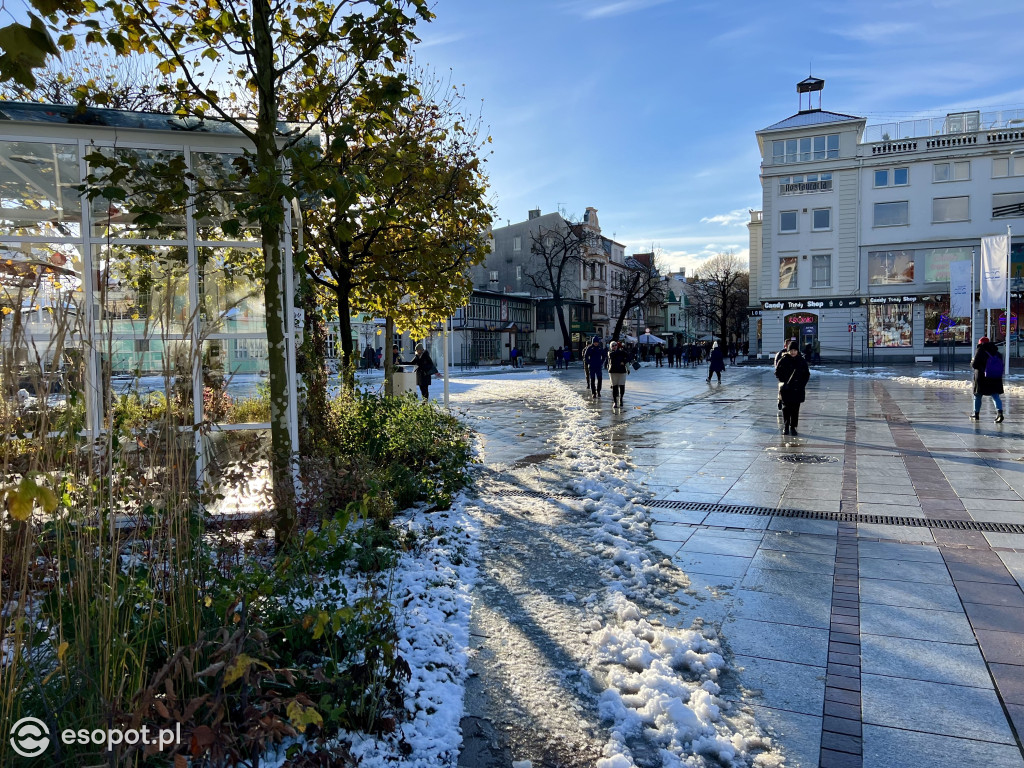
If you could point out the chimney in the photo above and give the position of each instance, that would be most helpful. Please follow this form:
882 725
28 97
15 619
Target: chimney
535 213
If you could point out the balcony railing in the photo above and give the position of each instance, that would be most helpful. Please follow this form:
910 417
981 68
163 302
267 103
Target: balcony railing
951 124
805 186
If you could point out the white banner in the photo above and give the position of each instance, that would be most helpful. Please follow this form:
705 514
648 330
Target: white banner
993 271
960 288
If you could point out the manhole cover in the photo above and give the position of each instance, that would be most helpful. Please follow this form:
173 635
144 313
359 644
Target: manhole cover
806 458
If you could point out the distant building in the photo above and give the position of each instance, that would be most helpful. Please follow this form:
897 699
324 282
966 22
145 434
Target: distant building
859 225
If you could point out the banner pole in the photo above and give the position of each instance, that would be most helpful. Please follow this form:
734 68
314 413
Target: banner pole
1006 355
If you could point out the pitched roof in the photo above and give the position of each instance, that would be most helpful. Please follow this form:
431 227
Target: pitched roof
811 117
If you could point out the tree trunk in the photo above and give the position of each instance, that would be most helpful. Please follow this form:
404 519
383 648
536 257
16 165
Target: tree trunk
566 338
269 190
312 368
342 291
389 365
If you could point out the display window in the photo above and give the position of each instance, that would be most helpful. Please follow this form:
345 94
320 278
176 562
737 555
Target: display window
890 325
891 267
941 328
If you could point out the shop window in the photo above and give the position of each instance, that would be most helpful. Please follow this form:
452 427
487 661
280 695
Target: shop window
940 328
937 261
890 325
890 267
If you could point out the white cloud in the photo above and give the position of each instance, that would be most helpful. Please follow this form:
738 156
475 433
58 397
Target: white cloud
737 218
606 10
877 32
432 42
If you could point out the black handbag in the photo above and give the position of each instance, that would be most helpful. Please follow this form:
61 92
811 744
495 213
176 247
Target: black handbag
636 365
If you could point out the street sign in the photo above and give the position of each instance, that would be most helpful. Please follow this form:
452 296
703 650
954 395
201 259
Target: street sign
852 327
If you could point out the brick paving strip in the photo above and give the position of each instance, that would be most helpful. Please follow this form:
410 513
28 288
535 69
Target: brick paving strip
841 745
991 597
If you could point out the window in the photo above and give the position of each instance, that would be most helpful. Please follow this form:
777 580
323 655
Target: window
517 243
821 270
787 272
892 214
1001 166
890 267
889 325
958 171
895 177
937 261
600 304
494 276
950 209
939 327
821 218
1008 205
519 272
805 149
787 221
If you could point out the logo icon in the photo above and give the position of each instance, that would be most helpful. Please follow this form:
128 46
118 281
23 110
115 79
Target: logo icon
30 737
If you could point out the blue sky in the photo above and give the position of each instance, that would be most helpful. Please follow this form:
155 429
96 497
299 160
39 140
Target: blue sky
646 109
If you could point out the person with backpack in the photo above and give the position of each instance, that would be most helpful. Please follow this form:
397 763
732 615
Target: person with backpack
988 376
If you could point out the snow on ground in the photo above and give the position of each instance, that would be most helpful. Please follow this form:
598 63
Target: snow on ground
657 683
924 378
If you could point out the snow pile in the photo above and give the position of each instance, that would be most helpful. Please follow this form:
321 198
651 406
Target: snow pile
926 378
431 595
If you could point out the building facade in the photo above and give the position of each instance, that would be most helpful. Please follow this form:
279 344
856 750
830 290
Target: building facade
859 225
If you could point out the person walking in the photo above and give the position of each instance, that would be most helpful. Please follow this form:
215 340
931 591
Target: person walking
550 358
594 359
369 357
732 354
512 355
988 376
559 357
793 375
659 355
778 356
716 362
568 356
425 368
618 370
817 351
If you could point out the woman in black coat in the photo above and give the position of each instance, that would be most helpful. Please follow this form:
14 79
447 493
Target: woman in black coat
717 362
991 385
424 370
793 375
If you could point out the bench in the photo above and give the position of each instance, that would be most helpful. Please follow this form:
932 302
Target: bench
924 359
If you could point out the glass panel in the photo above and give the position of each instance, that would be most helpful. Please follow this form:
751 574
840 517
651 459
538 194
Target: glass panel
235 381
900 177
819 147
939 327
1018 165
890 267
790 150
221 194
787 221
787 272
142 289
1008 206
38 195
231 290
937 261
778 151
821 276
891 214
238 471
940 172
950 209
822 218
1000 166
882 178
962 170
149 194
889 325
805 149
833 145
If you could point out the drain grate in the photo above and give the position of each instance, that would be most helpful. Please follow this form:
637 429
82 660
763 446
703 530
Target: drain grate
806 514
805 458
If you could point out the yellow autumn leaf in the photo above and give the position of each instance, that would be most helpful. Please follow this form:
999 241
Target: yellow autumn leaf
238 667
303 717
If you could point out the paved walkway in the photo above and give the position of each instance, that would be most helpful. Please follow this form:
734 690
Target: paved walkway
895 637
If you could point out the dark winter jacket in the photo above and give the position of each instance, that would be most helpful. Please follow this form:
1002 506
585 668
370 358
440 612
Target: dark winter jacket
594 357
618 361
793 374
424 368
717 360
985 385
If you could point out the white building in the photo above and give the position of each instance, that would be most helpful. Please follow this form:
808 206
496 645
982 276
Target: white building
860 224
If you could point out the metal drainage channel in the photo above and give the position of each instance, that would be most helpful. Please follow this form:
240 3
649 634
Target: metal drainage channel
844 517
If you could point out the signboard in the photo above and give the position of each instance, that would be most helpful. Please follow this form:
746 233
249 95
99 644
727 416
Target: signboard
993 275
960 273
851 327
812 303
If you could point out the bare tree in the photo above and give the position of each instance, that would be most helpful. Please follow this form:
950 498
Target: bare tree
641 286
719 293
558 253
93 78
